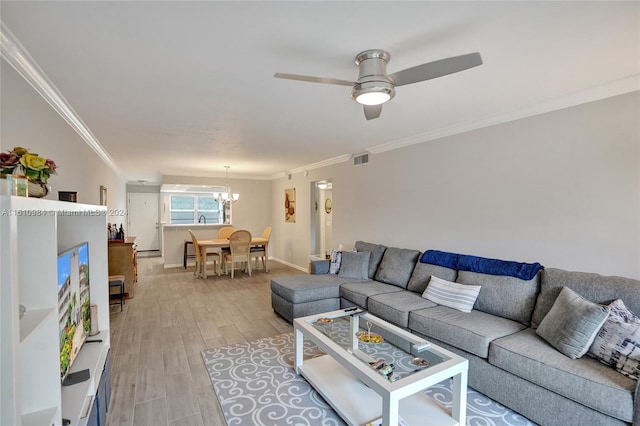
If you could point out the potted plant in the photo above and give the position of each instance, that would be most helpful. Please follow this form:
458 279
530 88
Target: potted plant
19 161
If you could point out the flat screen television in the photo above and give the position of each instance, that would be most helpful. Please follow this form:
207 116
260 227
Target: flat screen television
74 312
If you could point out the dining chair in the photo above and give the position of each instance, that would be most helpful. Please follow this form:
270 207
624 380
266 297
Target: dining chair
239 244
200 261
225 232
261 250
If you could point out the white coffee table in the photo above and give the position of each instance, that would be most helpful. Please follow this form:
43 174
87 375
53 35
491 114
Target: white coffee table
358 392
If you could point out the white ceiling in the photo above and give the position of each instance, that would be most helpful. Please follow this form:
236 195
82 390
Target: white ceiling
185 88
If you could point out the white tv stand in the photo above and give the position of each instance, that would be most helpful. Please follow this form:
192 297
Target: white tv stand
33 232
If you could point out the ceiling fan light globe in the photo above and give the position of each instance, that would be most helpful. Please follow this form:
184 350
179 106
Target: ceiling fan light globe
373 98
372 93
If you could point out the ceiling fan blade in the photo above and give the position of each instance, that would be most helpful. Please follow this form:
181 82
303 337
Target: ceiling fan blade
311 79
436 69
372 111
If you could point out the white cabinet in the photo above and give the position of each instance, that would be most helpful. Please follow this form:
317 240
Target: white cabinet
32 233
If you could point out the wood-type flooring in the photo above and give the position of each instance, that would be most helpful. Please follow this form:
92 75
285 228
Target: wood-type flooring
158 376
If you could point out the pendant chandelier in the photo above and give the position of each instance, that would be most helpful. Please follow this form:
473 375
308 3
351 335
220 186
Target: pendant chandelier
227 195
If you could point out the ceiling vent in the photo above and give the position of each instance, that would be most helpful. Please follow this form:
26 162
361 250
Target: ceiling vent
360 159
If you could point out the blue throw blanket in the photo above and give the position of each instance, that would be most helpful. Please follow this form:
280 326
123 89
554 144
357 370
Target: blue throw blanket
463 262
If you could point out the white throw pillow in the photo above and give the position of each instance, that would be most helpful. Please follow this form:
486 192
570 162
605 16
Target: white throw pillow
457 296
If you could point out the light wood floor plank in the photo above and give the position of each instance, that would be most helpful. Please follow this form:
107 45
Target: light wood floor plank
152 412
150 385
193 420
181 397
199 373
210 410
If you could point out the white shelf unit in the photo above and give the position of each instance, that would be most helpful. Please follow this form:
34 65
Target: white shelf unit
33 232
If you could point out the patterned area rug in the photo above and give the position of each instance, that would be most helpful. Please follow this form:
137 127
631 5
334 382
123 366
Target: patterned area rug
256 385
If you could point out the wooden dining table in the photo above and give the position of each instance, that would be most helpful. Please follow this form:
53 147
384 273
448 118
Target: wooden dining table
222 243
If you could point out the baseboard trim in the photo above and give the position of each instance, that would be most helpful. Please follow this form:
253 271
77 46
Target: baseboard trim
284 262
271 259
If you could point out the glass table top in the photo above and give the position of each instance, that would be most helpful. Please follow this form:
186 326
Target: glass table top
392 354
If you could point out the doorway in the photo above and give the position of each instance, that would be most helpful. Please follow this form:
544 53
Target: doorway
321 216
144 220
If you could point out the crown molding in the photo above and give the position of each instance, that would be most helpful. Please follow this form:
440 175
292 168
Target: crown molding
17 56
329 162
618 87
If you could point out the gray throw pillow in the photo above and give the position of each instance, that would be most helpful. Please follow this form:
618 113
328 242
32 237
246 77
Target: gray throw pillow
377 251
396 266
572 323
355 265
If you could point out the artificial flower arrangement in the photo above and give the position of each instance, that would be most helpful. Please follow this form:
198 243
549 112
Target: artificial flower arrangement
20 161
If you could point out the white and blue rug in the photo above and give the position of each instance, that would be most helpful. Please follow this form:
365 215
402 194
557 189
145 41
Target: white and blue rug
256 385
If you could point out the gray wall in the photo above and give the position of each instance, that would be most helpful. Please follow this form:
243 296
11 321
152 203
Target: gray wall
561 188
27 120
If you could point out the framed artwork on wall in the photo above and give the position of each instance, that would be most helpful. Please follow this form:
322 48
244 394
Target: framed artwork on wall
290 205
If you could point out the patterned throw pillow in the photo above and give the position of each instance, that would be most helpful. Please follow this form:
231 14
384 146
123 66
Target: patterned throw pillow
618 342
456 296
336 259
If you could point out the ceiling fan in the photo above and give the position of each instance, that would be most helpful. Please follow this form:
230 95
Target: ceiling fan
375 87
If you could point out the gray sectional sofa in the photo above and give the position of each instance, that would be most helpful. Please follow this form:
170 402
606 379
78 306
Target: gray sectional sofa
508 360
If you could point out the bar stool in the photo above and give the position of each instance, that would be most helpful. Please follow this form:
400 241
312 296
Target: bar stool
116 282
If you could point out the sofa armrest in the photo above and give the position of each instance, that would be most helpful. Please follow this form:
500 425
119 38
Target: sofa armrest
318 267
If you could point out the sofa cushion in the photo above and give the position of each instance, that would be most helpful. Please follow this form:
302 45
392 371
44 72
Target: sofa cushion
395 307
472 331
617 344
355 265
456 296
507 297
396 266
290 311
377 251
572 323
359 292
583 380
422 274
307 288
594 287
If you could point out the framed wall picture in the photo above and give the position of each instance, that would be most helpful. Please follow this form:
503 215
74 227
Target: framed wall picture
103 195
290 205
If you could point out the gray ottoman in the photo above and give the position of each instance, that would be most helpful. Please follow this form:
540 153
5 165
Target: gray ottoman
294 296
